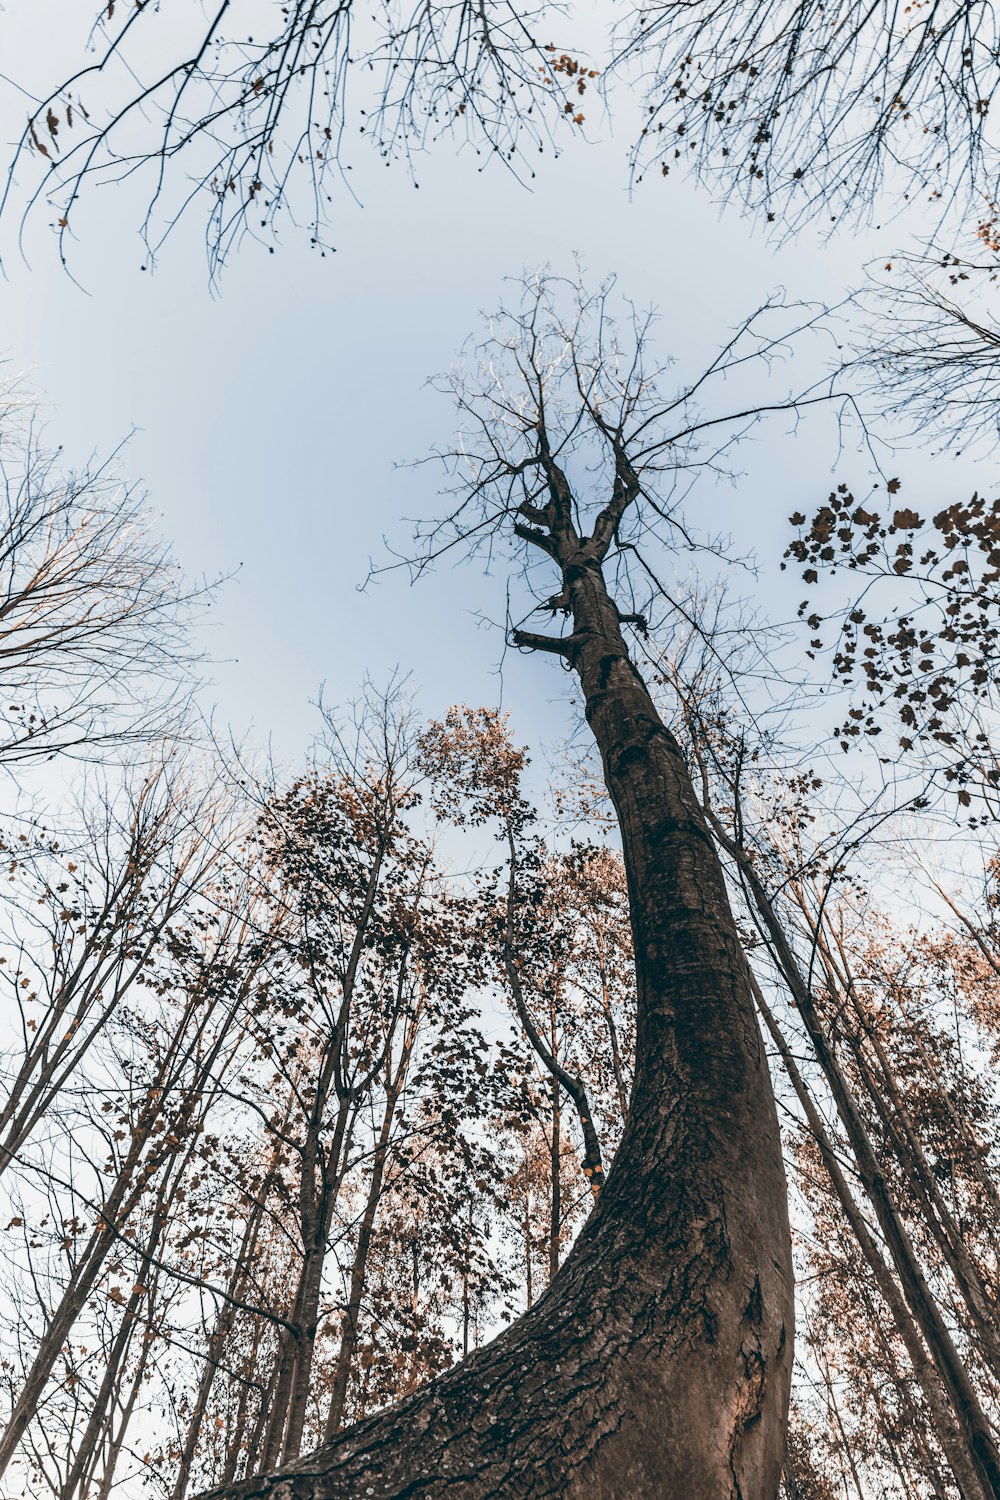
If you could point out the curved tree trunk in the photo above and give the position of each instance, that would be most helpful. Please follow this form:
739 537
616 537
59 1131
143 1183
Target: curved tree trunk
593 1160
658 1361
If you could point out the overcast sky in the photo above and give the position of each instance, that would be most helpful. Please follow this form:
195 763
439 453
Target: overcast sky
267 416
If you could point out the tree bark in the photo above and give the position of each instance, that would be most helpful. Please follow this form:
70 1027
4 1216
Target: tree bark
658 1361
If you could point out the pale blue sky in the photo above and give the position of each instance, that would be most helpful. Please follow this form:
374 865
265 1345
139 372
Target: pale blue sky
268 417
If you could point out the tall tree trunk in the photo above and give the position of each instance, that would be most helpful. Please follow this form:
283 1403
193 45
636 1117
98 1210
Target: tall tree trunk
224 1321
555 1198
359 1271
950 1432
901 1134
466 1275
528 1242
322 1173
914 1420
658 1361
903 1139
593 1161
976 1428
240 1446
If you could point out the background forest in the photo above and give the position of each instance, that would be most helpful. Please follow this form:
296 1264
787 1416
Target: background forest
318 1028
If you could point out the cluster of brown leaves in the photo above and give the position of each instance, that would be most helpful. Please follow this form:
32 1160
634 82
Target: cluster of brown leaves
572 69
929 664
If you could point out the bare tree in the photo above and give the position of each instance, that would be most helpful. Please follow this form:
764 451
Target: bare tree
791 106
94 611
659 1356
927 353
83 929
259 120
795 883
158 1116
806 110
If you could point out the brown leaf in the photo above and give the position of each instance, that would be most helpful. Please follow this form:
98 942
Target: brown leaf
906 520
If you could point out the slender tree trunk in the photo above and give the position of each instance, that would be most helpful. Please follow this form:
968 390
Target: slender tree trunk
83 1459
101 1420
71 1303
313 1244
977 1154
116 1438
142 1163
894 1115
915 1420
466 1275
320 1185
236 1444
555 1167
528 1247
977 1431
359 1270
845 1446
949 1432
658 1361
308 1311
593 1161
224 1322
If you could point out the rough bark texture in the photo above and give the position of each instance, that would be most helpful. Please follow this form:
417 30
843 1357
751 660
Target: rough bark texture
658 1361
